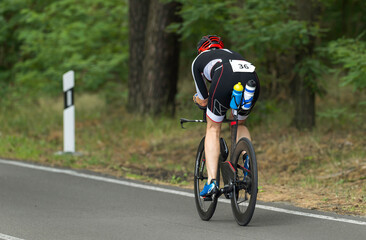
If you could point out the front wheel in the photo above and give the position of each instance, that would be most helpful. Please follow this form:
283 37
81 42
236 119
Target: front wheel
205 209
245 187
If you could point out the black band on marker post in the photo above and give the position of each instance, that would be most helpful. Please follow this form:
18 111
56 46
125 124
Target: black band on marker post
69 98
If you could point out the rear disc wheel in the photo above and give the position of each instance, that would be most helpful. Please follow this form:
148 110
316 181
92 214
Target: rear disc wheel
245 187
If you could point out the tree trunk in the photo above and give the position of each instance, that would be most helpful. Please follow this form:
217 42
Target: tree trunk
303 94
138 18
161 60
304 100
154 57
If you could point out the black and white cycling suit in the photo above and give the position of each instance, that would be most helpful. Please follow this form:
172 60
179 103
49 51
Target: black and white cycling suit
220 67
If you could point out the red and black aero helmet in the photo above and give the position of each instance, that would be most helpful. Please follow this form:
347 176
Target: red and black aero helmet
209 41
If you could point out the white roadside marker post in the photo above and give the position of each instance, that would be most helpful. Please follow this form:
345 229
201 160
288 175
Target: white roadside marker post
69 112
69 115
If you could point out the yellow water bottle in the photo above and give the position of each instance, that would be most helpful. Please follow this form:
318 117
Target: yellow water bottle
236 96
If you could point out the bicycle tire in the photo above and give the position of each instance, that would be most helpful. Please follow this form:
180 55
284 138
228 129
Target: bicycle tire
245 187
205 209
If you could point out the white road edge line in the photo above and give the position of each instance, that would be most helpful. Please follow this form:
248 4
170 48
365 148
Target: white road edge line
160 189
7 237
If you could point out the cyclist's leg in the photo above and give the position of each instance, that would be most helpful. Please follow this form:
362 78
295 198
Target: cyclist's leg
243 131
218 104
212 148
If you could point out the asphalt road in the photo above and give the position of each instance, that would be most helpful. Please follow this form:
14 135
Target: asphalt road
44 203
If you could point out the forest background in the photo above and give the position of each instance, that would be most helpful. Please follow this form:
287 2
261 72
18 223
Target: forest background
132 64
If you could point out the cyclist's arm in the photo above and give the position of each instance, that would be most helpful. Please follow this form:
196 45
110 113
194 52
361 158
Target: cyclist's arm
200 102
199 81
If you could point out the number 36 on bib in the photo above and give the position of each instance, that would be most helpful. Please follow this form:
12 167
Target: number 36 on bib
241 66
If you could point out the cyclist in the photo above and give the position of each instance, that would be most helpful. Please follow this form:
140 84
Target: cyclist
214 63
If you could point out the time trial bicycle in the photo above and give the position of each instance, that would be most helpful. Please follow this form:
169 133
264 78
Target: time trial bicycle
239 174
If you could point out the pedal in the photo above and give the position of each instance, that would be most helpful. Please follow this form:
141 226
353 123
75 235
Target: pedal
227 191
228 195
207 199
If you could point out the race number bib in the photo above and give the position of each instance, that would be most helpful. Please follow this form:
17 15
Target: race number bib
241 66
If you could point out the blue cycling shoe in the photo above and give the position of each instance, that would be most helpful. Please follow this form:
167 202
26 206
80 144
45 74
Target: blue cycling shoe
209 189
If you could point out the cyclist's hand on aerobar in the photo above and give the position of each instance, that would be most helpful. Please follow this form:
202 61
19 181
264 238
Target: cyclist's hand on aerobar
202 104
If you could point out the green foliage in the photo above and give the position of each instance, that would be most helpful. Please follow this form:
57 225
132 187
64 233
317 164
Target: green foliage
344 18
334 113
268 32
273 32
202 17
267 26
9 44
52 37
350 54
310 69
342 117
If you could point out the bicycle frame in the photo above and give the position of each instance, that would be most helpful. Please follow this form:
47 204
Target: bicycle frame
227 169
